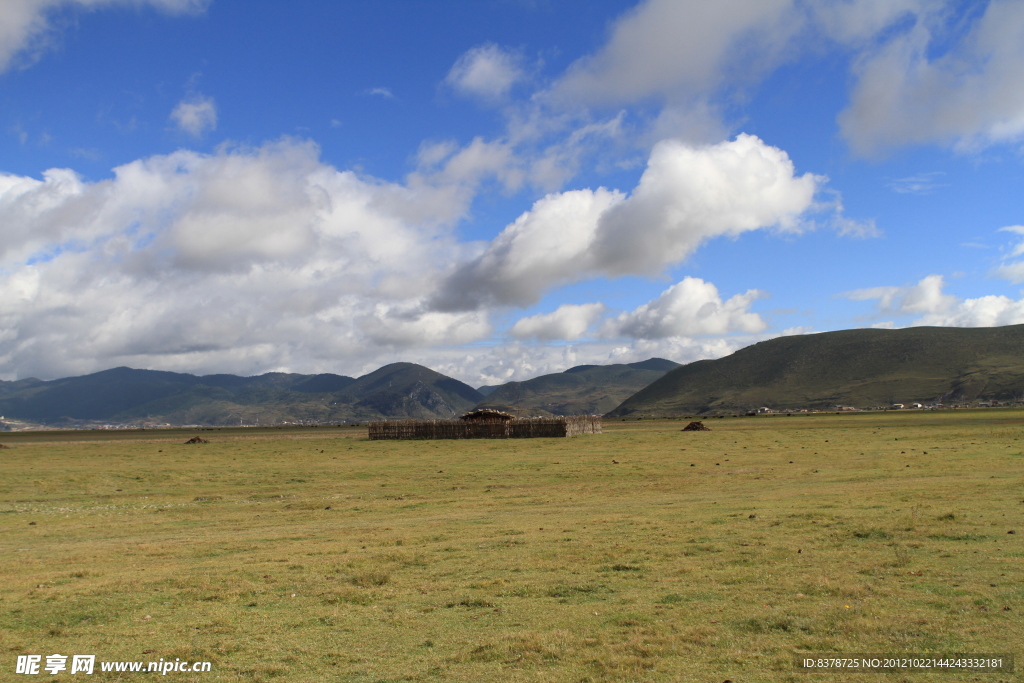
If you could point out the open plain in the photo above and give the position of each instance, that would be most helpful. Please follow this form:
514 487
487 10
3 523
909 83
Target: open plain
642 554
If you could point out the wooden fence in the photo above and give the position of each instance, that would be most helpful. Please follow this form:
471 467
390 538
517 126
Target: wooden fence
525 428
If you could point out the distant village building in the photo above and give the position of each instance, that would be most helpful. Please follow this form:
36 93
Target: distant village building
897 406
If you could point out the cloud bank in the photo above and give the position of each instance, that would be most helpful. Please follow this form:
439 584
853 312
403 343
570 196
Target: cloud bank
261 258
245 259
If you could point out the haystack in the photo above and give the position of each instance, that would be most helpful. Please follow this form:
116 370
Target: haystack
695 427
197 439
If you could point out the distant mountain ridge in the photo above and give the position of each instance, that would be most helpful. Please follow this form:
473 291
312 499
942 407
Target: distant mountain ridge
861 368
399 390
584 389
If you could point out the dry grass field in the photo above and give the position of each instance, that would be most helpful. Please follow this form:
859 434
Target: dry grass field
642 554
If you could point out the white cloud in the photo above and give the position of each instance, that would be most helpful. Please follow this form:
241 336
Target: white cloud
486 72
924 297
689 308
25 26
567 322
686 196
914 89
196 115
985 311
926 300
690 194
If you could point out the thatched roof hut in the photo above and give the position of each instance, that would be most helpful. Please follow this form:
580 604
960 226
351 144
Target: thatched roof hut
488 415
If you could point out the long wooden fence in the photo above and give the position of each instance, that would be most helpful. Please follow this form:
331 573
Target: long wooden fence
525 428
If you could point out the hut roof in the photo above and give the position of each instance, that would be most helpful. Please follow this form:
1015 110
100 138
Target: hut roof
487 414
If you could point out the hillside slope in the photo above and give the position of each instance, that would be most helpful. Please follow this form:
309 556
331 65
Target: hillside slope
861 368
582 390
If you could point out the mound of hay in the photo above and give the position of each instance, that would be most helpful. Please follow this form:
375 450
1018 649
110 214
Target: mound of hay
695 427
197 439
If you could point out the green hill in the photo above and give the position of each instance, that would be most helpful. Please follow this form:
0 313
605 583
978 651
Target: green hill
584 389
407 390
860 368
400 390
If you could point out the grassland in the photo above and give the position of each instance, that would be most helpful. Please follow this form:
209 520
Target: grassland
643 554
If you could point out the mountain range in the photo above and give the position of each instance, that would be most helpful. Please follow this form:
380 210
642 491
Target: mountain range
149 396
396 391
862 368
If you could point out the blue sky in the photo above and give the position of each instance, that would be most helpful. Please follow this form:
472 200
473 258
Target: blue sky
498 189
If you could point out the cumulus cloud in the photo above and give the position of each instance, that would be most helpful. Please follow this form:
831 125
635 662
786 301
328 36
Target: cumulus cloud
689 308
690 194
567 322
486 72
25 25
687 195
195 115
245 260
934 308
544 247
917 88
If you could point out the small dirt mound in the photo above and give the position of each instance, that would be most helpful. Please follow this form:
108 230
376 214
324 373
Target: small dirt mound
695 427
197 439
